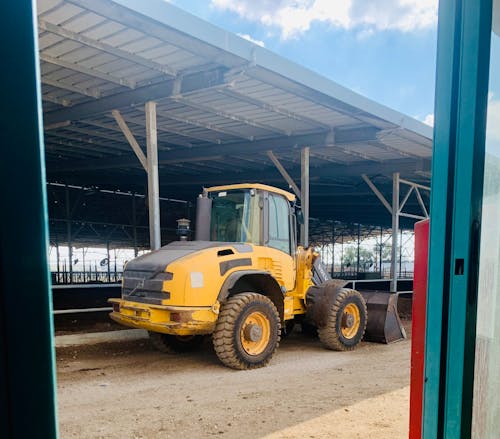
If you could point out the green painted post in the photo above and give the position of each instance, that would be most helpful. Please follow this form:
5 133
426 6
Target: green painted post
458 159
27 381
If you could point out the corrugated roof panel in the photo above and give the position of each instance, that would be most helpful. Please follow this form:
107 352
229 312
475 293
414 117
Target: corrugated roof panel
76 55
61 47
139 45
268 98
47 39
123 37
47 5
61 13
101 28
83 21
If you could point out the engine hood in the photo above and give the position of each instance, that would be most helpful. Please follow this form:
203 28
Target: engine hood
158 260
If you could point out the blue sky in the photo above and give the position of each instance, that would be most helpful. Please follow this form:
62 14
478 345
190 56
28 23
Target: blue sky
383 49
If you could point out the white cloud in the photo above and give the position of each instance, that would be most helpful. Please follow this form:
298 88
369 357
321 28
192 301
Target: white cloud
252 40
429 119
293 17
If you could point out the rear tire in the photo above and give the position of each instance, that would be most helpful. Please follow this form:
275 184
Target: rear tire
247 332
174 344
345 321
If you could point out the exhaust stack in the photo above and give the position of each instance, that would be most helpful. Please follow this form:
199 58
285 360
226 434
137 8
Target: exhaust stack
203 215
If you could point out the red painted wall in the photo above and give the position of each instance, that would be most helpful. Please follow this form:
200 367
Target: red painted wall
418 327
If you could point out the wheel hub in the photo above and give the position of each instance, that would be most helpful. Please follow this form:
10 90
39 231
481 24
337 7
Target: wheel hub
348 320
255 333
351 320
252 332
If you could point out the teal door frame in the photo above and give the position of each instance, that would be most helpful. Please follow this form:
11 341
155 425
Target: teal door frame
464 35
27 381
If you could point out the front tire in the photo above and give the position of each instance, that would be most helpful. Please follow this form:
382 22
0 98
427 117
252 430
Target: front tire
345 322
247 332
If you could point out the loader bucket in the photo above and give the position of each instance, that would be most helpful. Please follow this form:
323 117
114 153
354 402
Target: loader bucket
384 325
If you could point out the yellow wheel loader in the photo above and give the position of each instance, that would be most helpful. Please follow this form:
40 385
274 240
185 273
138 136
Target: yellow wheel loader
244 280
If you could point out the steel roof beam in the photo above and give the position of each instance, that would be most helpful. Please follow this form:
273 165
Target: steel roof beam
267 174
94 133
119 53
357 154
230 116
55 100
87 143
206 151
164 129
176 27
162 143
325 157
133 20
55 126
285 174
184 84
207 126
259 146
62 147
272 108
93 140
77 67
90 92
97 134
58 148
131 139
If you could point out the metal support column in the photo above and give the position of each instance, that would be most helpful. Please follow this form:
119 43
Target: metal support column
109 261
304 191
68 231
342 257
83 262
395 230
153 180
381 252
357 262
58 260
400 252
333 249
134 224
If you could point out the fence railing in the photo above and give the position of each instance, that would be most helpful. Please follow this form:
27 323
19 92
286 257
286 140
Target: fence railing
85 277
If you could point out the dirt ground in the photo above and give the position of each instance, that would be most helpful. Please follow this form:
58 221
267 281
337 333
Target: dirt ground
128 390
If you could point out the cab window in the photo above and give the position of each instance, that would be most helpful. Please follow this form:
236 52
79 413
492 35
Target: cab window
279 224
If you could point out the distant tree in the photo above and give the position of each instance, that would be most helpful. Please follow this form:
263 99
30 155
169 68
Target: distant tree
350 258
386 252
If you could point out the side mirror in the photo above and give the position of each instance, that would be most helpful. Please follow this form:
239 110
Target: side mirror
300 217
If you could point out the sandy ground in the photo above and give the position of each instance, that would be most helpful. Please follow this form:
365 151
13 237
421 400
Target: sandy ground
128 390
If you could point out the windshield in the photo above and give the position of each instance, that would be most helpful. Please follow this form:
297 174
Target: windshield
235 216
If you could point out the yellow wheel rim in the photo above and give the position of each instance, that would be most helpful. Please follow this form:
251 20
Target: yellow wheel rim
351 320
255 333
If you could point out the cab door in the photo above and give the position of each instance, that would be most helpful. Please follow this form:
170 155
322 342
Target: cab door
279 239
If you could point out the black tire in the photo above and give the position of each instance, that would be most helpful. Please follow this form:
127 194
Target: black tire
235 317
344 330
175 344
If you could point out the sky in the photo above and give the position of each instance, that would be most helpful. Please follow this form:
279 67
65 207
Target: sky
382 49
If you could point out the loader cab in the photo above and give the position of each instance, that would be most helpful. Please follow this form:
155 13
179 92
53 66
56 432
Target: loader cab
254 214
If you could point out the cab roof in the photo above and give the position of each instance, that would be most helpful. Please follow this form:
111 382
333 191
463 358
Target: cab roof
264 187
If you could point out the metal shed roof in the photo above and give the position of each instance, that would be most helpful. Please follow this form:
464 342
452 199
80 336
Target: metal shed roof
223 102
